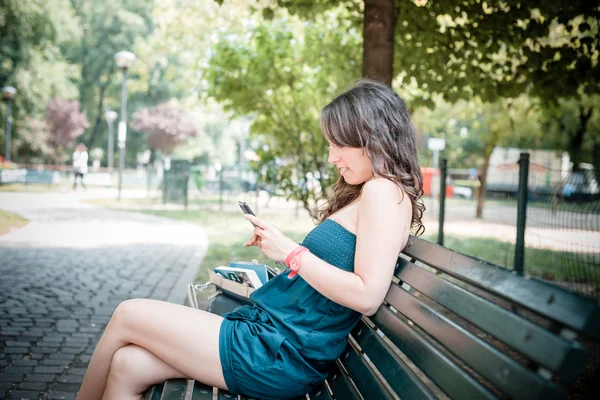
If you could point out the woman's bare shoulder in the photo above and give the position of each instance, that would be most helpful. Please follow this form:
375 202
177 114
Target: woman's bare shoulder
382 187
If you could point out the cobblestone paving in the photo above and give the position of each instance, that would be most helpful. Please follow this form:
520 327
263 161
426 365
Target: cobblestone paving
61 277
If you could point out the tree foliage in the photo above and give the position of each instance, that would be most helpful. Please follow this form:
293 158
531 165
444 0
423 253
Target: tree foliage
33 142
166 125
107 28
481 52
282 72
472 129
491 49
574 125
32 34
65 123
499 49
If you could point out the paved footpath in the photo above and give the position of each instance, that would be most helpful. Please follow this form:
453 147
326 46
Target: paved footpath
62 275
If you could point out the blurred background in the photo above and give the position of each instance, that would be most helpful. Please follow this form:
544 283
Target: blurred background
223 98
186 106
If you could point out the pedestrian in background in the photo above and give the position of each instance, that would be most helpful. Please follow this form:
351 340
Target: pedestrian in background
80 164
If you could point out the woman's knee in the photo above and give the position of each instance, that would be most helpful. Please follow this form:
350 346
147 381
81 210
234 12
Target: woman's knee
127 310
125 362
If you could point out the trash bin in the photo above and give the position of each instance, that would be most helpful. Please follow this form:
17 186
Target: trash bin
175 181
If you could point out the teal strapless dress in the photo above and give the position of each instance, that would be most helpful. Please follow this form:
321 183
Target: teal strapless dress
283 346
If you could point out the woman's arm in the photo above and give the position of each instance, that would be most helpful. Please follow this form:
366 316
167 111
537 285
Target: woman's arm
383 226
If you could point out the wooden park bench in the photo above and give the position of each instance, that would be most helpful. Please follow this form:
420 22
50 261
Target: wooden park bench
452 326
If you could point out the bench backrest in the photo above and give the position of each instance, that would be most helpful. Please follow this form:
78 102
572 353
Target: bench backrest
467 328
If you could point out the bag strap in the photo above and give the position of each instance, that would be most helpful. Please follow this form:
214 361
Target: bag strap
191 293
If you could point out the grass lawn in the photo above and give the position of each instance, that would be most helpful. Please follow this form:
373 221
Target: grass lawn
145 202
134 204
10 222
34 187
226 231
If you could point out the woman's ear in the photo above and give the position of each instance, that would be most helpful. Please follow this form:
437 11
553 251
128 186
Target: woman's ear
378 164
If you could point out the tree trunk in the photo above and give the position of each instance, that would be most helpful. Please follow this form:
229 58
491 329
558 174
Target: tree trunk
482 183
99 119
378 40
576 141
596 159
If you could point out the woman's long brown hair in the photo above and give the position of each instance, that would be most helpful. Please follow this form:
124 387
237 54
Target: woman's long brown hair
372 116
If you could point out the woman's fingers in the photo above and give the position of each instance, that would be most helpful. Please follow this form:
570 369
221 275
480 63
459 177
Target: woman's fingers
254 241
256 221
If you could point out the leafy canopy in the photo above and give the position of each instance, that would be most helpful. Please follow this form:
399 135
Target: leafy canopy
283 72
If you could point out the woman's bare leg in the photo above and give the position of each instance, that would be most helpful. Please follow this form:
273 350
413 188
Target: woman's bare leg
182 337
133 370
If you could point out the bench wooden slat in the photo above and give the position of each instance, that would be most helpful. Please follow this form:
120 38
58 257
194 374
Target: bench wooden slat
569 309
397 374
225 395
363 377
504 372
448 376
341 385
567 358
320 393
174 389
202 391
154 392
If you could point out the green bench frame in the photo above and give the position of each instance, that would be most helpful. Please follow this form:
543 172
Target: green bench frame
455 325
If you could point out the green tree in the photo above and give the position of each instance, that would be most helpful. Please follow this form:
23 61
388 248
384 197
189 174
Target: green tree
463 48
107 27
31 36
574 125
472 129
33 143
282 72
488 49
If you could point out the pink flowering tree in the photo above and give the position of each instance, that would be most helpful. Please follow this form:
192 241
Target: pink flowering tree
65 124
166 126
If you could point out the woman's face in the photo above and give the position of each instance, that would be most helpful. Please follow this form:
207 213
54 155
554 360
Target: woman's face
352 163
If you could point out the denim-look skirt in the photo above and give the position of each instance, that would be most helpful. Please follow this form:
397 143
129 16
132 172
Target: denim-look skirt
260 362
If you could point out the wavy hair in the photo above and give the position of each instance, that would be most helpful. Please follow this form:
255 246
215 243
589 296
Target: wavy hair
373 117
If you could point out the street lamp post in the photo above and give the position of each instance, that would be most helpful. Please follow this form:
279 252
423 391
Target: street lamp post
124 60
219 169
8 94
110 116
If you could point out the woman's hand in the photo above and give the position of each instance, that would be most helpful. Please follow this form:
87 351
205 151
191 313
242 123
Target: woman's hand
273 243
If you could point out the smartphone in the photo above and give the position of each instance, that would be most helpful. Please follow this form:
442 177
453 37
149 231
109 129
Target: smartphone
247 210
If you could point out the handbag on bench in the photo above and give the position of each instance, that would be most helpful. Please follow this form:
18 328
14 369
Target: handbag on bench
230 294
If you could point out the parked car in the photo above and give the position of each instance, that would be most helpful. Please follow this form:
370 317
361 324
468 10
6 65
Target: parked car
463 192
581 184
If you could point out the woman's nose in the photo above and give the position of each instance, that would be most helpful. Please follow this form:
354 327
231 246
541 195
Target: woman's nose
333 157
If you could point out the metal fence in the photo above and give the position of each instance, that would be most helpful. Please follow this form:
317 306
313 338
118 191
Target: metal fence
565 218
550 222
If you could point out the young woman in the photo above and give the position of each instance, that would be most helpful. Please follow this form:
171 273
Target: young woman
284 344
